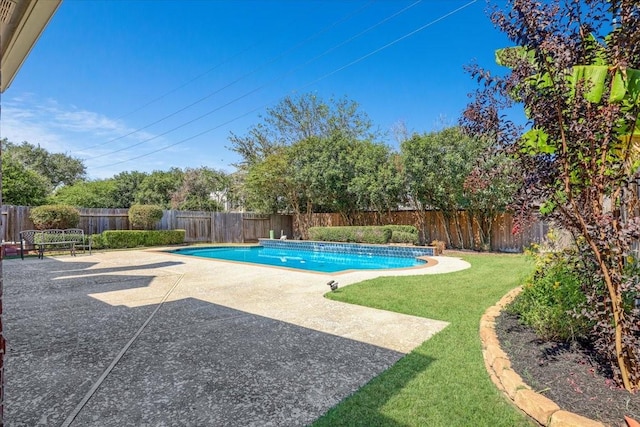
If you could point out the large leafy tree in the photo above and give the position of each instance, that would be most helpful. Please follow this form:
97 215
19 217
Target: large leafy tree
60 169
576 70
22 186
321 140
158 187
332 174
488 190
436 165
378 181
298 118
202 189
126 187
87 194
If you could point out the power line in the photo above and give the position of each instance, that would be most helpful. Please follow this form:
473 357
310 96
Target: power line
185 84
259 88
361 58
399 39
228 85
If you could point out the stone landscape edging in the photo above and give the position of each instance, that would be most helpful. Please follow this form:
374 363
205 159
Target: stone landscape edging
539 407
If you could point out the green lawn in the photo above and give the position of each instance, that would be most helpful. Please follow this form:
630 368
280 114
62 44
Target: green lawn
443 382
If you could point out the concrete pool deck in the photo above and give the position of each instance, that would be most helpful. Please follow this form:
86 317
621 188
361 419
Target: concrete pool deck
150 338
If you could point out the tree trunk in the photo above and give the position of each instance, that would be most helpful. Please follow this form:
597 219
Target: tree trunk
624 354
422 226
456 221
625 363
447 231
470 233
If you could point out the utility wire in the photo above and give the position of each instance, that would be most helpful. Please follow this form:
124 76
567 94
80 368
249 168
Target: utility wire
278 78
373 52
185 84
399 39
228 85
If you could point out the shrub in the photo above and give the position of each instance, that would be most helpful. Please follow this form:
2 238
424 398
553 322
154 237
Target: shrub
552 300
403 228
120 239
144 217
375 234
439 245
404 237
54 216
97 242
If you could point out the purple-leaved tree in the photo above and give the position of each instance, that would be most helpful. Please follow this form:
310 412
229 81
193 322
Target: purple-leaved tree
575 68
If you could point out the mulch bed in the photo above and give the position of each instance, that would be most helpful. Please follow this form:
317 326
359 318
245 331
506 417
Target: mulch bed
568 374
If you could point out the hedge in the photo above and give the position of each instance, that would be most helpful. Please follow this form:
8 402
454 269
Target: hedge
144 217
120 239
366 234
54 216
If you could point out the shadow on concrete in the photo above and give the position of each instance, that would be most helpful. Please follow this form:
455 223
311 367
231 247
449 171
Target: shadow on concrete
82 268
50 277
194 363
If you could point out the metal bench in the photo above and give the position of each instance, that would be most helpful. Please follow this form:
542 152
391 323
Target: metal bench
70 238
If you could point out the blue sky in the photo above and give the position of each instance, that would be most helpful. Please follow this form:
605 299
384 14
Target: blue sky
149 85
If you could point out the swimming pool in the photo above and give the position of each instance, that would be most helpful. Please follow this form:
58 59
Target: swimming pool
323 261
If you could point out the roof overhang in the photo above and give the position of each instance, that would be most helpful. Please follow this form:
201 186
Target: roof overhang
21 23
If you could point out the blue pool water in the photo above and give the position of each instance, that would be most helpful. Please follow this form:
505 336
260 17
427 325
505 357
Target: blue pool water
321 261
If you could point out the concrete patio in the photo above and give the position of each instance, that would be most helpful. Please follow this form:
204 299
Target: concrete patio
147 338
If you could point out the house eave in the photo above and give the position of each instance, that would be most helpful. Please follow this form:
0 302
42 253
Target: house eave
21 23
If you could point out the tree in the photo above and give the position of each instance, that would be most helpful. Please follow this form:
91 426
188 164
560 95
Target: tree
60 169
269 185
126 187
87 194
436 165
300 118
158 187
202 189
576 71
22 186
378 181
321 142
323 174
487 192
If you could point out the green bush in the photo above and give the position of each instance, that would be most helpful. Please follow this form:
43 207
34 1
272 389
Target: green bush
404 237
54 216
120 239
403 234
403 228
373 234
144 217
97 242
552 299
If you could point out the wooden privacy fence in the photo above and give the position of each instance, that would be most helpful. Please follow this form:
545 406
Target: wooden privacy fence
502 238
215 227
224 227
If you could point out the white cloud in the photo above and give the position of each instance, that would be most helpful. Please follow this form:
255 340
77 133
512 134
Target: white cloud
106 145
71 130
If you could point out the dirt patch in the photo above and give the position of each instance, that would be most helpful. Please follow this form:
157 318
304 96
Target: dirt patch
569 375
